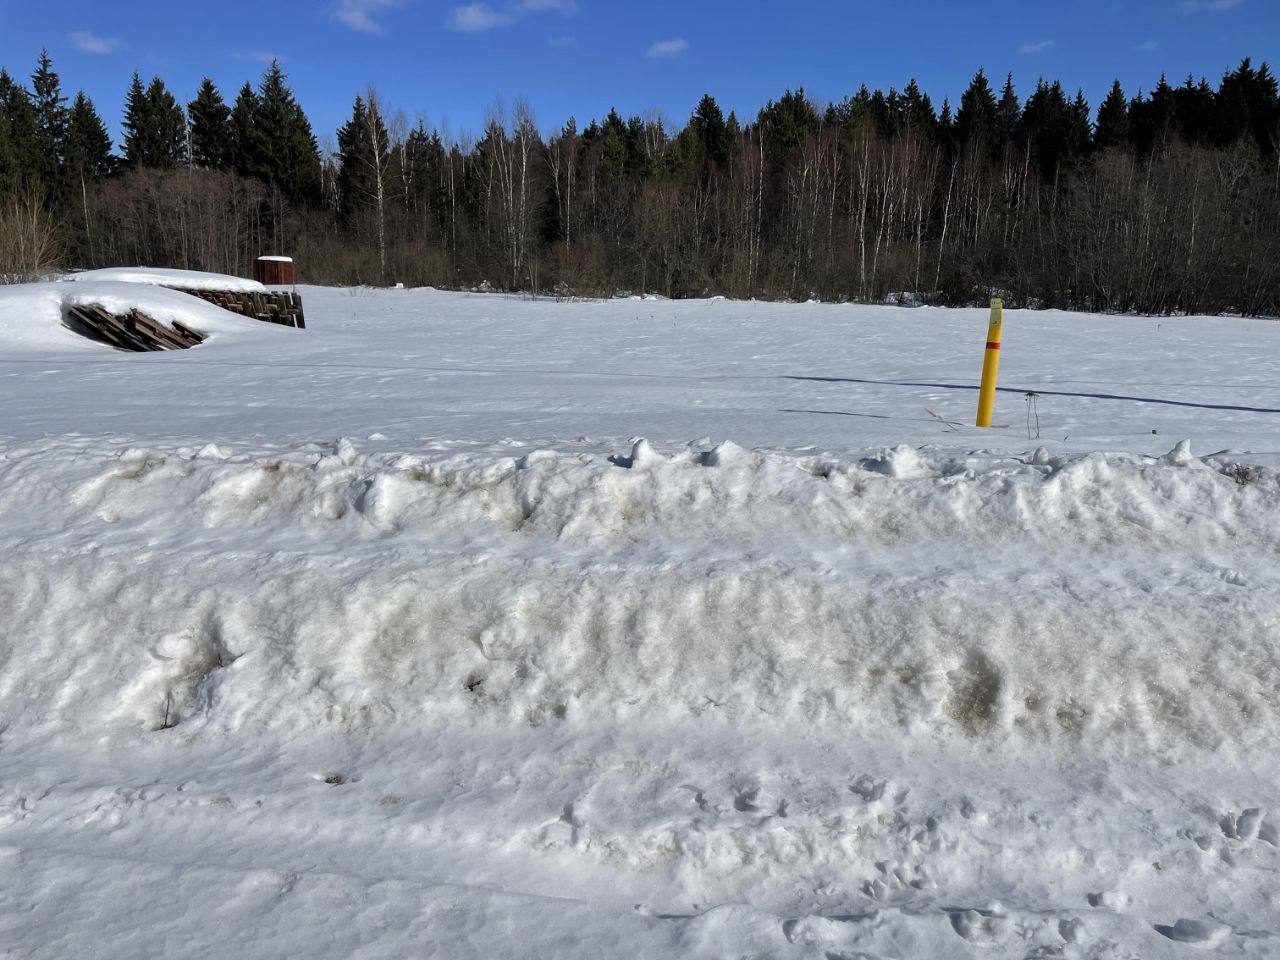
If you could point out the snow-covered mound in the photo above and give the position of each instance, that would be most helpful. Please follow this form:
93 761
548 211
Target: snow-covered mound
180 279
33 316
1101 598
714 701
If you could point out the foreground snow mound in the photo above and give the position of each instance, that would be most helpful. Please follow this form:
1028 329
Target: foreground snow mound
180 279
33 316
1102 598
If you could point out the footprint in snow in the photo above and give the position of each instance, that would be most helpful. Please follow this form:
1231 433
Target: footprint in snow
1204 932
1113 900
1252 824
745 801
979 926
870 790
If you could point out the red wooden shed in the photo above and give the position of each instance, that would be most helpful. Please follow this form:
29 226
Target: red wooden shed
275 271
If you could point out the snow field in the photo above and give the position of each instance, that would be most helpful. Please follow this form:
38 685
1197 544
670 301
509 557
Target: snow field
386 639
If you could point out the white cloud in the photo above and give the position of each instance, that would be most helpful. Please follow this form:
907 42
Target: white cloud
478 17
257 56
1040 47
567 7
359 14
1147 46
562 42
666 49
86 41
1209 6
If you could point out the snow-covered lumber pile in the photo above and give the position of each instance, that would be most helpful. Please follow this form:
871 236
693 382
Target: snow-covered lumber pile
135 330
44 317
248 298
276 306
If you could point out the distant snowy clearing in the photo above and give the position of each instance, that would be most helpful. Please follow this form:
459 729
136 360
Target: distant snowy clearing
388 637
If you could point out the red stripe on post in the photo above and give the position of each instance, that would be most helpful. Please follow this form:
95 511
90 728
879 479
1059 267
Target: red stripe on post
992 346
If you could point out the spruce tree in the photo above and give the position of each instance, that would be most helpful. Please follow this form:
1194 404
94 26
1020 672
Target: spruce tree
155 128
733 128
1193 109
171 147
88 157
976 118
1164 110
88 153
51 124
1112 129
290 161
246 143
1263 100
918 113
708 125
210 128
362 152
1057 129
8 157
134 124
1080 127
788 121
1008 116
879 113
18 150
613 146
946 122
1231 111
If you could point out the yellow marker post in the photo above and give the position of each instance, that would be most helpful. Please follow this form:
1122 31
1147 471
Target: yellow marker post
990 365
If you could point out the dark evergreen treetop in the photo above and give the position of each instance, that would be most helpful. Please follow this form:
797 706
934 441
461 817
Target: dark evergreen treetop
288 159
712 132
918 112
155 128
246 142
976 118
18 156
946 122
1057 129
786 122
1112 129
88 153
210 128
51 120
1008 116
363 151
135 121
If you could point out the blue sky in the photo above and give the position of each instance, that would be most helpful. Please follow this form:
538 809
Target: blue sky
451 61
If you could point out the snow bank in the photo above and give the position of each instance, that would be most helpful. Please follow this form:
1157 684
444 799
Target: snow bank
33 316
1103 598
183 279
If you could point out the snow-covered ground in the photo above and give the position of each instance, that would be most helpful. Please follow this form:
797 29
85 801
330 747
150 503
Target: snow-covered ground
388 638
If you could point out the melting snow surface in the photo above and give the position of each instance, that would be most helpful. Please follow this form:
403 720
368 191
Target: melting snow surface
388 637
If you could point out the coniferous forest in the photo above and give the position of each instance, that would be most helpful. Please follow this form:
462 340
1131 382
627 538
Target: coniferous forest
1159 202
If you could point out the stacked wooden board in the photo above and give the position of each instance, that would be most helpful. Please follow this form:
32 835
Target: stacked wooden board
135 330
278 306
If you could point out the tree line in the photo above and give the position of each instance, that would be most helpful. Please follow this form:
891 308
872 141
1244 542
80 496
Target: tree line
1159 202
